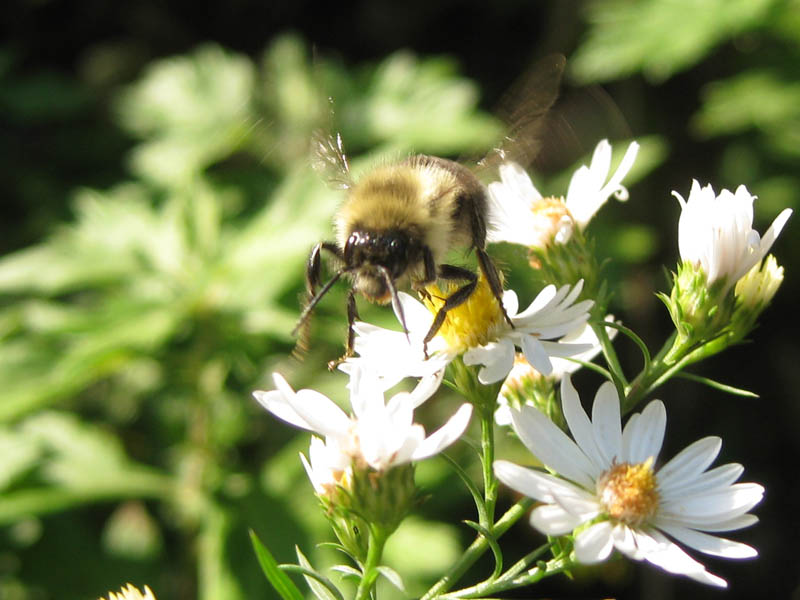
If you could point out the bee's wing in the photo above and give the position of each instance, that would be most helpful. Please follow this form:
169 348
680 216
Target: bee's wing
329 160
524 109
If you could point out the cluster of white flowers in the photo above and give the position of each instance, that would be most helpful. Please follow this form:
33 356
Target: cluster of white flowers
379 434
607 485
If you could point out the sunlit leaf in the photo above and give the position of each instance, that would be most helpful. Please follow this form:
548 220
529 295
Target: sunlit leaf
757 99
658 38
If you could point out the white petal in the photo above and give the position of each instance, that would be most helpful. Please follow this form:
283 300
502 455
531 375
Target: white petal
710 544
580 426
445 435
594 545
417 315
563 350
582 507
689 462
625 541
551 519
321 414
536 354
542 300
719 477
497 358
673 559
552 446
426 387
408 447
606 422
643 435
535 484
714 506
774 231
733 524
510 302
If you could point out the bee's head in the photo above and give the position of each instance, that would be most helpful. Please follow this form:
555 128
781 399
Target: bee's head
377 257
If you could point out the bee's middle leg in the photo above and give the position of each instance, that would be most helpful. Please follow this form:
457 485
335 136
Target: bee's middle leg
429 274
453 300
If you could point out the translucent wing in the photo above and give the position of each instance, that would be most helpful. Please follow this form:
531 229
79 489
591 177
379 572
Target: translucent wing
329 160
524 108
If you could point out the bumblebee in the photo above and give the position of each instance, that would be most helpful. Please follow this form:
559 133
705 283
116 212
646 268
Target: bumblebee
399 221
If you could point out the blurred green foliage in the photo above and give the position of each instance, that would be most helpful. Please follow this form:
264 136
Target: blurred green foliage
132 335
167 298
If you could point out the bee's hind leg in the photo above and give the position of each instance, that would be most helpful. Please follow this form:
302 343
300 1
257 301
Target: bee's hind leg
489 271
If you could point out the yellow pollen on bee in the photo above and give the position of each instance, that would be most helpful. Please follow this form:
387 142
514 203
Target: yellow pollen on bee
473 323
628 492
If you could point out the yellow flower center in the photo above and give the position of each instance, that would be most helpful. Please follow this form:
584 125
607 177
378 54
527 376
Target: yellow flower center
628 492
475 322
550 214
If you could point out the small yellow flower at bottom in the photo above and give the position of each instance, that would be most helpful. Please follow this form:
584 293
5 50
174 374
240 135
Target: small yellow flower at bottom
131 593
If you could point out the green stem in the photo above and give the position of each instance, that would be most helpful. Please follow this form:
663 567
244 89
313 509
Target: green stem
657 372
534 575
526 560
377 540
477 549
610 354
489 480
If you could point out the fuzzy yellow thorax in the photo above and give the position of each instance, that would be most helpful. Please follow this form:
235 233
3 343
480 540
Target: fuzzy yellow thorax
473 323
628 492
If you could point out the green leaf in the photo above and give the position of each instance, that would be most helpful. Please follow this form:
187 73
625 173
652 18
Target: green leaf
393 577
495 547
717 385
758 99
20 455
423 104
347 572
77 464
320 585
191 110
659 38
279 580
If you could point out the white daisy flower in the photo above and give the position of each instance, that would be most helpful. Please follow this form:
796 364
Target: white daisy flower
608 485
519 214
378 435
715 232
477 330
523 372
129 592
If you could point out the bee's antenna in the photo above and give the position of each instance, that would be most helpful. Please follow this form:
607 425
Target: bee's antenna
398 307
306 314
